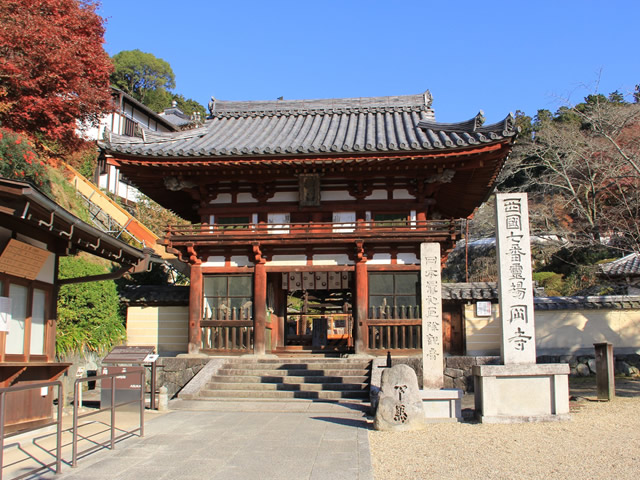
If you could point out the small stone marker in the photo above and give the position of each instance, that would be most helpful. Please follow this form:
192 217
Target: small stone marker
515 279
431 293
400 403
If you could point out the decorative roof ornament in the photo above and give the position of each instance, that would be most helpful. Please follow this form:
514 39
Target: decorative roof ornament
478 121
428 98
510 124
212 105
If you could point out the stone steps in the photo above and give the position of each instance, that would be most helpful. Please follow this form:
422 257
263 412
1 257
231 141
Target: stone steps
311 379
290 386
291 379
255 394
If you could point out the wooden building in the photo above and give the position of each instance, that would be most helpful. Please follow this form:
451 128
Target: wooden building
309 215
34 233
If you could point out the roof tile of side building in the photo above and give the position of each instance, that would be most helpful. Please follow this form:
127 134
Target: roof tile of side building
332 126
625 266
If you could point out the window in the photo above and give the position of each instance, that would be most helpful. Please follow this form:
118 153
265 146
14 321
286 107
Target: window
29 309
227 297
233 223
394 295
15 336
390 219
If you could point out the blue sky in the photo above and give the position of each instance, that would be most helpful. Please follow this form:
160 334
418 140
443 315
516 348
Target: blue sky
498 56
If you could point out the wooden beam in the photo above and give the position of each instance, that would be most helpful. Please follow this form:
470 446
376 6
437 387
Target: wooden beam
362 304
195 309
259 307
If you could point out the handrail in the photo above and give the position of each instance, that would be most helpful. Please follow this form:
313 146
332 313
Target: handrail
112 408
58 421
309 230
314 228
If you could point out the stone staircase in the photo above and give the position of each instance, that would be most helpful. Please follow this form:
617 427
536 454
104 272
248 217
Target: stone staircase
285 379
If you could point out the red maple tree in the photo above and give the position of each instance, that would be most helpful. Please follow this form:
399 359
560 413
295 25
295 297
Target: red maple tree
54 70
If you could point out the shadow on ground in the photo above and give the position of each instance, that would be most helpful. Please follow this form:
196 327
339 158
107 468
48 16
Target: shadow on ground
349 422
586 387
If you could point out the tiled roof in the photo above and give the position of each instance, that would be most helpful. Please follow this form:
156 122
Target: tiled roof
470 291
154 295
623 267
617 302
295 127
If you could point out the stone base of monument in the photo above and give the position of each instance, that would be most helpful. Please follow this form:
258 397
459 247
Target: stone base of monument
442 405
521 392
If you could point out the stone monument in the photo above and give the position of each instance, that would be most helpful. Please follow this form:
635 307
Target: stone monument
399 403
518 390
439 404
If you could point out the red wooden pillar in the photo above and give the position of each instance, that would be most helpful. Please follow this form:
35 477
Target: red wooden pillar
362 304
259 308
195 309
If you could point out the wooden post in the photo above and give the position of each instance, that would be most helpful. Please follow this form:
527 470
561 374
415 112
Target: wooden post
259 308
605 379
195 309
362 301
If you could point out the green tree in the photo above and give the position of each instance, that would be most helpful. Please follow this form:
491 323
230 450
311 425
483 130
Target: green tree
150 80
89 315
139 73
189 106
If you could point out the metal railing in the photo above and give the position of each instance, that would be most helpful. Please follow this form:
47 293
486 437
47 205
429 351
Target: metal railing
112 408
76 416
58 421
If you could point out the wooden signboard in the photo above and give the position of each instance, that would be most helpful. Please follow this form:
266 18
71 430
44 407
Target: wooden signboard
129 354
22 260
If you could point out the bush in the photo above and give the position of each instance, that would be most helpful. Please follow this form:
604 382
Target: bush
89 315
553 283
19 161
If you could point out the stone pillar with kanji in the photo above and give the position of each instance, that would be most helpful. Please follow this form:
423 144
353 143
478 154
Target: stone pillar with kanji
515 284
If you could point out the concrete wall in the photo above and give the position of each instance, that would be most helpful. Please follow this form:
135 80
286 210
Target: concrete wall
164 327
559 331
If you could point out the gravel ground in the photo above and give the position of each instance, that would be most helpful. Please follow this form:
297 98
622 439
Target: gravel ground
601 441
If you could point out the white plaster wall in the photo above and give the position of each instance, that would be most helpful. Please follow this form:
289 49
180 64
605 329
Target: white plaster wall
240 261
380 259
331 195
377 195
288 260
331 259
402 194
558 331
221 198
246 197
214 262
284 197
408 259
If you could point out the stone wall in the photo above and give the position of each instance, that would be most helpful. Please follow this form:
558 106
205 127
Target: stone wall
457 371
175 372
585 365
172 372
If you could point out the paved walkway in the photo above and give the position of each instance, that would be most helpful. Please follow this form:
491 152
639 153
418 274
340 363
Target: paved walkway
294 440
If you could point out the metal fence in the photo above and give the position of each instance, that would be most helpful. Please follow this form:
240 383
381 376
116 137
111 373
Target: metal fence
109 379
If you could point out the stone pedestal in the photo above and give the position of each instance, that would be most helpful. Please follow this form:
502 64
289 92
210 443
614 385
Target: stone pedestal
442 405
521 393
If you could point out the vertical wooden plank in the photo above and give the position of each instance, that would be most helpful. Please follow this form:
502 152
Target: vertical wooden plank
362 301
195 309
260 308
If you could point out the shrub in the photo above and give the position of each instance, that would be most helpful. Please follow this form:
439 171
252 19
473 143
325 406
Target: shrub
19 161
553 283
89 315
